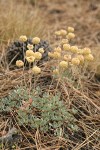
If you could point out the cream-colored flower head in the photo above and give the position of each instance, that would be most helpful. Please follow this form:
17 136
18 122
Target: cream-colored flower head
56 71
75 61
57 49
67 57
71 35
56 55
38 55
19 63
29 53
23 38
63 64
50 54
63 32
30 46
66 47
36 70
30 59
36 40
80 51
86 51
74 49
41 50
70 29
58 33
81 58
64 41
89 57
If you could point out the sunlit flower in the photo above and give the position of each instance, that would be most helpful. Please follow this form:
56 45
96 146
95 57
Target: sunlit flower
38 55
89 57
66 47
67 57
81 58
36 70
36 40
56 55
23 38
64 41
19 63
63 64
57 49
80 51
58 33
63 32
50 54
74 49
30 46
71 35
86 51
41 50
29 53
75 61
70 29
30 59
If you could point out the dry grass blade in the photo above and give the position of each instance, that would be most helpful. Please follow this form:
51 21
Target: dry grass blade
18 19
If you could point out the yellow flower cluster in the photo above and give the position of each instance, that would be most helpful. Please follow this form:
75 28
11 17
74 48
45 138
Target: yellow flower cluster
67 55
30 46
30 55
37 55
87 54
64 41
36 70
57 49
36 40
74 49
41 50
71 36
30 59
89 57
23 38
19 63
66 47
75 61
63 64
55 55
67 33
61 32
70 29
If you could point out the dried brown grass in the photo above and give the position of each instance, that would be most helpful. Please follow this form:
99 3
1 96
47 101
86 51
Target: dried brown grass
19 19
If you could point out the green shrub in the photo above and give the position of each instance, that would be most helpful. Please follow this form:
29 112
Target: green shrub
46 112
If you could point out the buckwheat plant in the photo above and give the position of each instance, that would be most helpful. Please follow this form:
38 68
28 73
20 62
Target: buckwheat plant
69 61
43 110
32 57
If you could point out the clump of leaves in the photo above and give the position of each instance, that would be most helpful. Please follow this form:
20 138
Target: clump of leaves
45 111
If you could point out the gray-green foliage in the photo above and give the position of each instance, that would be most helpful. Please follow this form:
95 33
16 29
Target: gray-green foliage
46 112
